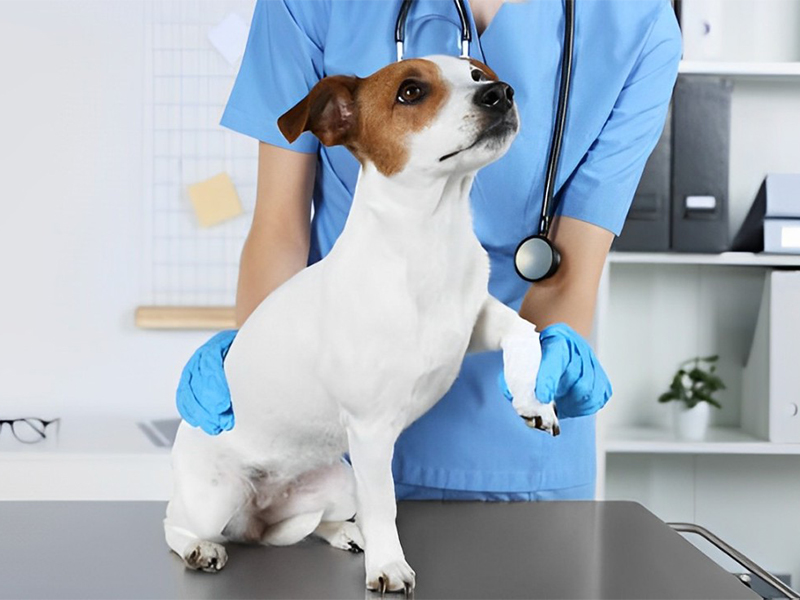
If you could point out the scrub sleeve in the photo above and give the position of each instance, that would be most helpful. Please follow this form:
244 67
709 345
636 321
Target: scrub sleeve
282 62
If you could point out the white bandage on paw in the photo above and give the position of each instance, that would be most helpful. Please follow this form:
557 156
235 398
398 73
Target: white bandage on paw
521 357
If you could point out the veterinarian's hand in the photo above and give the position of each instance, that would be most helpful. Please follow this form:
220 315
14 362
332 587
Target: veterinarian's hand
569 374
203 397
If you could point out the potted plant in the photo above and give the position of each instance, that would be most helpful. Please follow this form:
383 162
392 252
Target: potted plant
692 394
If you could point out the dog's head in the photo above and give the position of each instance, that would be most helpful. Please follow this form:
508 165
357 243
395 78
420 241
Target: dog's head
437 115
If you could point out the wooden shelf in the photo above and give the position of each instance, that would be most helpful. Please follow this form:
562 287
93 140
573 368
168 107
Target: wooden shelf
745 259
186 317
740 69
720 440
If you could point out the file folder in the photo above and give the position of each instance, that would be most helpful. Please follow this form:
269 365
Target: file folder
771 377
701 148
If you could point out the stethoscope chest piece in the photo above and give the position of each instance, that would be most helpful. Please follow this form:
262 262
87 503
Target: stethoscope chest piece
536 258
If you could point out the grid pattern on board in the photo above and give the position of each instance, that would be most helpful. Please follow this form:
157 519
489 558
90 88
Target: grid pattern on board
187 83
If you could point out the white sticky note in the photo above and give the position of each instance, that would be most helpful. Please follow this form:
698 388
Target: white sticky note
229 37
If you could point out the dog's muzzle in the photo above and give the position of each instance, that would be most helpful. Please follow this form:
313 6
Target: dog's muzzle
496 101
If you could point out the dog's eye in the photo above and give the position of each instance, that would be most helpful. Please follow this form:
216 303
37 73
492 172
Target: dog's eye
410 92
478 75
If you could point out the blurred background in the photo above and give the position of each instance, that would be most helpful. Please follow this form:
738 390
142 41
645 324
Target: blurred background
125 205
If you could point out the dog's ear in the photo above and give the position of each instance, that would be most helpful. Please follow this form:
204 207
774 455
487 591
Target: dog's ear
329 111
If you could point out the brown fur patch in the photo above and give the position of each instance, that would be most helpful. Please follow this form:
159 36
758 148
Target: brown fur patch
485 68
384 123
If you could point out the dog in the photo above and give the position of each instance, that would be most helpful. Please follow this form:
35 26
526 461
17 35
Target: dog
350 351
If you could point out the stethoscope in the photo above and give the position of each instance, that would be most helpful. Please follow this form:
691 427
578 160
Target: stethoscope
536 257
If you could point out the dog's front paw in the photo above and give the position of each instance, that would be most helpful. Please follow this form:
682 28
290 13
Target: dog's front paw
394 576
539 416
205 556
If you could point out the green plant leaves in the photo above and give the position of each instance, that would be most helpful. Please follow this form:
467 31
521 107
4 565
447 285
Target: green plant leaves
705 396
701 384
710 381
667 397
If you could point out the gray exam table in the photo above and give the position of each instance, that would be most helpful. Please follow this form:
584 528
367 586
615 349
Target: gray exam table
565 549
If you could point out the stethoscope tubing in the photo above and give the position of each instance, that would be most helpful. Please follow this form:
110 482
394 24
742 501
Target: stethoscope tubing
561 117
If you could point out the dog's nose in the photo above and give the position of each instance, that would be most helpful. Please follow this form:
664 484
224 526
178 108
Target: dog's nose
498 96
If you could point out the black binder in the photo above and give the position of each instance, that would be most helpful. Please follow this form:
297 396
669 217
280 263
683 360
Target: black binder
648 223
701 146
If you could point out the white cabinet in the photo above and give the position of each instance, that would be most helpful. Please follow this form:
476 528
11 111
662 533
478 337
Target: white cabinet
653 312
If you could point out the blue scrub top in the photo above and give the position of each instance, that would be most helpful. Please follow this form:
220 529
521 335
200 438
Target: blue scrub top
625 63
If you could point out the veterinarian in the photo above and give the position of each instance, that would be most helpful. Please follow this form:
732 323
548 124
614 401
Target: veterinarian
472 444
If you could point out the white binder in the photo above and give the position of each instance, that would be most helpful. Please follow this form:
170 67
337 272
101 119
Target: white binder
771 378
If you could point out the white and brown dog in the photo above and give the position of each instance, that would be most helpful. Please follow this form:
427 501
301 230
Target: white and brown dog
351 350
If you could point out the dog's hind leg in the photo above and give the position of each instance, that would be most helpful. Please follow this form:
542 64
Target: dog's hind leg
197 554
202 503
292 530
337 527
318 502
196 517
344 535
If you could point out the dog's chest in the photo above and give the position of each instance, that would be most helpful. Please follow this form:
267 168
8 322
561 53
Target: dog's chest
400 319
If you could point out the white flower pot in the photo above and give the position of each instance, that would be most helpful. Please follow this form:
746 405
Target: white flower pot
691 424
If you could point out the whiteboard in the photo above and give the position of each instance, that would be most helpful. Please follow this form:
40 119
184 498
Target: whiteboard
187 84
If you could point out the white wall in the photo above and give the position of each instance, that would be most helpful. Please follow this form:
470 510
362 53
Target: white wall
765 129
70 224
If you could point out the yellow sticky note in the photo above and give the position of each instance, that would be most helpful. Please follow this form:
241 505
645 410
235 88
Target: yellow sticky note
215 200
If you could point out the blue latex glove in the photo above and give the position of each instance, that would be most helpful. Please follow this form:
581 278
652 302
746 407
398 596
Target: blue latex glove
203 397
569 374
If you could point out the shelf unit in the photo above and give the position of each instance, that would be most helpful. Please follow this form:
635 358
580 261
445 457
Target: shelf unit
720 440
665 298
617 437
740 69
725 258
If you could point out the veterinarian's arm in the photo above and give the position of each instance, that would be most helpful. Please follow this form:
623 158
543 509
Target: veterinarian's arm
277 246
570 295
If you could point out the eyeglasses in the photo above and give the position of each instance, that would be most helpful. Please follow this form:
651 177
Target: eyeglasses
30 429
